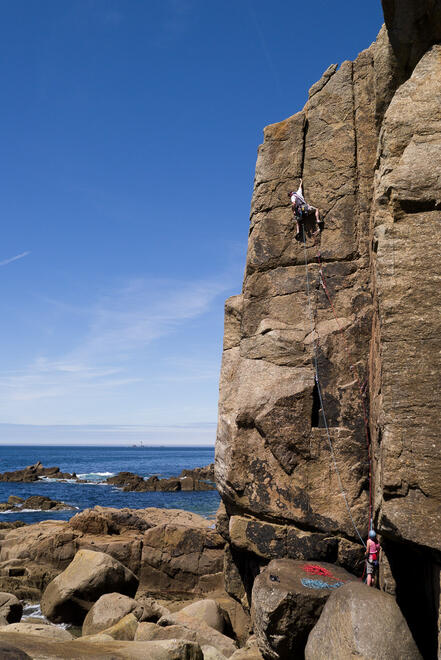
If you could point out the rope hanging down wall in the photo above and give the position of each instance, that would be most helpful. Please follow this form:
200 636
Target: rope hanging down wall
319 390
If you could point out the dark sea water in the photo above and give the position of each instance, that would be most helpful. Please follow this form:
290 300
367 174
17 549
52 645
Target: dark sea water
98 463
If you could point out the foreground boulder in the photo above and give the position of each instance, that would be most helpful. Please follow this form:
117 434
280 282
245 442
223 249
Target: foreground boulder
125 629
71 594
204 634
11 609
40 630
108 610
361 622
206 610
287 601
10 652
106 649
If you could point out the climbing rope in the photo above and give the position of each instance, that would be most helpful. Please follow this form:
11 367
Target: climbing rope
320 584
319 391
361 386
315 569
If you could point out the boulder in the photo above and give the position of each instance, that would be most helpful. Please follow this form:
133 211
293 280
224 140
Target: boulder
151 631
205 634
125 629
287 600
10 652
249 652
211 653
103 649
206 472
71 594
180 559
11 609
358 621
108 610
39 629
15 499
151 609
206 610
99 637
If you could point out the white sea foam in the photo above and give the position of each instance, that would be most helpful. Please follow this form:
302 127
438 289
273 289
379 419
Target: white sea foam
58 481
89 475
33 611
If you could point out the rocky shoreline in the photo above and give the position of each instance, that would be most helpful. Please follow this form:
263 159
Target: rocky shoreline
140 583
198 479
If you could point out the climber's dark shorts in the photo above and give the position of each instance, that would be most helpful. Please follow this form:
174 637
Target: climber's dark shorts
304 211
371 567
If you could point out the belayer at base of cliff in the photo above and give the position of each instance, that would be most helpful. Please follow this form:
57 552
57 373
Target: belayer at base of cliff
372 555
301 210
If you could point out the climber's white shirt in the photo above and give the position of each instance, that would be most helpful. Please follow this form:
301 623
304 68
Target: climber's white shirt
298 195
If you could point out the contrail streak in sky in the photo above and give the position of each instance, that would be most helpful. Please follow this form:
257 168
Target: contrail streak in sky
265 49
17 256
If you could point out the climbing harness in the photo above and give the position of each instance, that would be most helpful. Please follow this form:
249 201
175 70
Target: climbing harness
319 392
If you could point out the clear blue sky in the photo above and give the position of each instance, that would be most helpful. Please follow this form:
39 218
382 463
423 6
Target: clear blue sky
129 131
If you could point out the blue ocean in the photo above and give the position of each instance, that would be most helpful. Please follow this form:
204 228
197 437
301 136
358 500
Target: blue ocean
96 464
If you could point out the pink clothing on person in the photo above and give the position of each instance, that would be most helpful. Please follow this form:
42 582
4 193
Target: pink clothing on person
373 550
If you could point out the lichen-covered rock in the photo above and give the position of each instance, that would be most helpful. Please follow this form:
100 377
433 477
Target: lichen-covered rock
68 598
361 622
286 603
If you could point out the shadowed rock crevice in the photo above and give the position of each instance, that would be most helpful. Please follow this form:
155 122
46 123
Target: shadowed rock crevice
417 579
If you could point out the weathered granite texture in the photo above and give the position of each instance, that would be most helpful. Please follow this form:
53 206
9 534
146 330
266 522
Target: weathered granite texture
172 552
368 146
272 459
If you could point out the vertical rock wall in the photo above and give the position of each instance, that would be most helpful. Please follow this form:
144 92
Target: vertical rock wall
368 146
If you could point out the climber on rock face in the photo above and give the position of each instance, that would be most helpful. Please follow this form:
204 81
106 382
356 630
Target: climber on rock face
372 554
301 209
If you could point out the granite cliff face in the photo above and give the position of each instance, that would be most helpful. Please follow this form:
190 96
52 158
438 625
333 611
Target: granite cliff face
368 146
